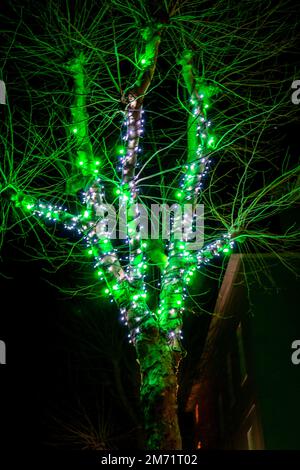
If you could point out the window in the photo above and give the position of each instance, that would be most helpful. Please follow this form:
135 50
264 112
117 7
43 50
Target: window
197 413
221 415
230 380
249 434
242 359
250 438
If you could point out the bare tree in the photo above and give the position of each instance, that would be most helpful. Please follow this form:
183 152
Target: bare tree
212 83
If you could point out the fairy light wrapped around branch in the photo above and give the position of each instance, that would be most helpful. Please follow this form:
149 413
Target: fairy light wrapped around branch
125 282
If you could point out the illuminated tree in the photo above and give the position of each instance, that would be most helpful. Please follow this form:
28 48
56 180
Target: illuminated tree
215 85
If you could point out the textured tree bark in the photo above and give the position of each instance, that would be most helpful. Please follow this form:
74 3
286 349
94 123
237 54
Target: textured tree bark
158 365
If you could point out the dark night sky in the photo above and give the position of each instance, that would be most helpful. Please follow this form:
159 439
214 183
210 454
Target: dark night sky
55 358
51 361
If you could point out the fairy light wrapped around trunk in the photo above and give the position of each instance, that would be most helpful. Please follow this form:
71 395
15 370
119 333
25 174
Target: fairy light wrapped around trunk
126 284
155 335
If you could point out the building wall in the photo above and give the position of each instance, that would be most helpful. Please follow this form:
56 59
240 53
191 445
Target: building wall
247 396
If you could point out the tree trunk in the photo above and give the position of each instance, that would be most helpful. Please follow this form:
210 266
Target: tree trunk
158 364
